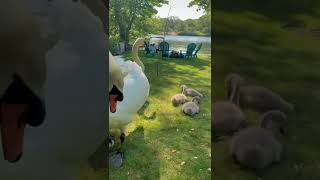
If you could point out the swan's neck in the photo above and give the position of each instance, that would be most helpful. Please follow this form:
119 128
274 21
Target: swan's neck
135 56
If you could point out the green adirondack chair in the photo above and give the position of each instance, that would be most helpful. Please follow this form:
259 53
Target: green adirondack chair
164 47
190 48
194 54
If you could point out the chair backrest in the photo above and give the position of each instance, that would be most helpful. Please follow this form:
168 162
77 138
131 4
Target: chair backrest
190 48
198 48
164 47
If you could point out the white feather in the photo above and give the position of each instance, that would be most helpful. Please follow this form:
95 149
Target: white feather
75 99
135 93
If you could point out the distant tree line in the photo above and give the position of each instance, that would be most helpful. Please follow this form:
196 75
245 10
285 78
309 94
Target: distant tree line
196 27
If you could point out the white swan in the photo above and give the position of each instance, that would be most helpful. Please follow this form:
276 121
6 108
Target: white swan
70 81
135 92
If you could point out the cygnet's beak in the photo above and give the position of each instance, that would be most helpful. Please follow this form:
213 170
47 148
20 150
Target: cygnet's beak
19 106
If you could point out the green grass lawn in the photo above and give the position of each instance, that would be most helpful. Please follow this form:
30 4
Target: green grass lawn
262 52
172 145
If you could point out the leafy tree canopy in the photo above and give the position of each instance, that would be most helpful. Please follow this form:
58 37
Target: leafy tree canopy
202 4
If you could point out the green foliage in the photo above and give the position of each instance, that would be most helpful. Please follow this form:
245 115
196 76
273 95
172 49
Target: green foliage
125 15
202 4
201 26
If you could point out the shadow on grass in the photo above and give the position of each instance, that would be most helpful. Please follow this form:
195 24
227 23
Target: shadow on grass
99 161
175 72
137 164
168 64
142 112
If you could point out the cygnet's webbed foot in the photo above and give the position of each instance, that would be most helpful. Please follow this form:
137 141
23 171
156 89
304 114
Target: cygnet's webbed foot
116 159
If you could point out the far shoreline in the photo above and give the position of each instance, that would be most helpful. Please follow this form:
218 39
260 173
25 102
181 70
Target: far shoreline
182 34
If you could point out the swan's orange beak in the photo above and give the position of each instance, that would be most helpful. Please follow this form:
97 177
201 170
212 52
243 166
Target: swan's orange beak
18 107
12 130
113 102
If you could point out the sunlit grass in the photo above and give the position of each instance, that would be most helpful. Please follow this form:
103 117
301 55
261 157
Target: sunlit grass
172 145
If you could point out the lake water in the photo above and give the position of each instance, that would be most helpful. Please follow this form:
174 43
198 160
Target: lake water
181 42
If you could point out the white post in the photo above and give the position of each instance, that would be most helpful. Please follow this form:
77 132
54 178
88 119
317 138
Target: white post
121 47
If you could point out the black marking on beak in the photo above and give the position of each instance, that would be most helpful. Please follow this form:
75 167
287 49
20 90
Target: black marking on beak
116 91
19 93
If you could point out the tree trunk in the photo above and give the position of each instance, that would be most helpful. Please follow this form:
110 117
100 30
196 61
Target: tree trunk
124 37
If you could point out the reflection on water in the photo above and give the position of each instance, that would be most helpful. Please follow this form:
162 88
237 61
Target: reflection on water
180 42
